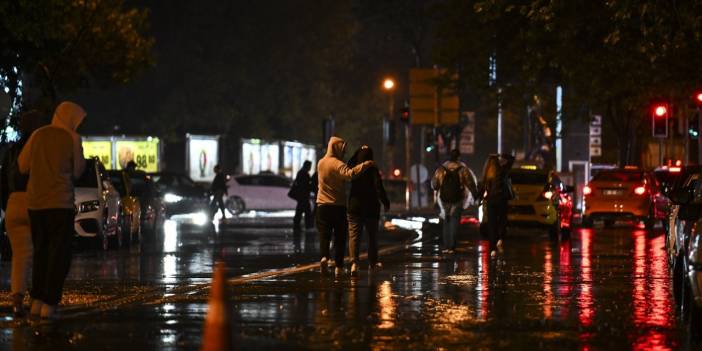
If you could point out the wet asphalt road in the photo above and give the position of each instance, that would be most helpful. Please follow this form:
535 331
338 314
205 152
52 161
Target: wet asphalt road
599 289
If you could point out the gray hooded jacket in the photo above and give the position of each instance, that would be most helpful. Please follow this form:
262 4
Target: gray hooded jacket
53 157
333 173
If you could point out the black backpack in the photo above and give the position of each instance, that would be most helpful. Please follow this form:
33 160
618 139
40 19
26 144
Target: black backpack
451 189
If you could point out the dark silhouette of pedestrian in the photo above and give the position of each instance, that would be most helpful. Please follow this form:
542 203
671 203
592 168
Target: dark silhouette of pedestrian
497 185
219 191
331 201
53 158
367 193
14 203
300 192
454 181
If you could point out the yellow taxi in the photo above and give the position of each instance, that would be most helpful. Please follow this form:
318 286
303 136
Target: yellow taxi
540 198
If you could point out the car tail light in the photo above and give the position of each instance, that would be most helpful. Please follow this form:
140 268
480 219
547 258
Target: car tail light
587 190
640 190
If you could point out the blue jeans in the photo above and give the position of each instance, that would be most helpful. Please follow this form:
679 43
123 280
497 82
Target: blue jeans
451 221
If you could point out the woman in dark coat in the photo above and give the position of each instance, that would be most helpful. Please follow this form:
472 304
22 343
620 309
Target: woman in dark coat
367 193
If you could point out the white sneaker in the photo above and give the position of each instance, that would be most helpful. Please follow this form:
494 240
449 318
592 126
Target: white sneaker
493 253
354 269
338 271
323 264
36 308
48 311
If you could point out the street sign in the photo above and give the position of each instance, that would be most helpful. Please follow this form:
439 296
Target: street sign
596 136
426 105
467 143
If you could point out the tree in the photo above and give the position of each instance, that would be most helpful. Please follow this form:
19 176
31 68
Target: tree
54 47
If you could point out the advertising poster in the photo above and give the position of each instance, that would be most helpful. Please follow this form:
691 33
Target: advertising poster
102 149
203 155
251 156
269 157
144 152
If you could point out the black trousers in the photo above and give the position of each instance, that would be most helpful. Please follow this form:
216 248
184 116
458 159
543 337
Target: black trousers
52 233
331 221
497 221
356 225
218 203
303 207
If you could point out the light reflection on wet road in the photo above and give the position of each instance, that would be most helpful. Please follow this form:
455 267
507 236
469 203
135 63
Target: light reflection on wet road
600 289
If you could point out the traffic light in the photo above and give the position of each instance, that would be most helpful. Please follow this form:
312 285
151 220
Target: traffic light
430 139
698 98
660 113
405 114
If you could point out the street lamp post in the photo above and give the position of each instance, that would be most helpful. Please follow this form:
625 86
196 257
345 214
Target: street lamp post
388 155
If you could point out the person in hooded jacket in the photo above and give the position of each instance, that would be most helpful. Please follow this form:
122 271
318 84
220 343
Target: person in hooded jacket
333 173
367 193
53 158
14 203
497 185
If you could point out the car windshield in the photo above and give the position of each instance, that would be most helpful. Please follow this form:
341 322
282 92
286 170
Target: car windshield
89 178
528 178
264 180
619 176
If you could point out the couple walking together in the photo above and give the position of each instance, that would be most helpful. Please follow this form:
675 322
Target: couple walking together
37 188
336 216
456 186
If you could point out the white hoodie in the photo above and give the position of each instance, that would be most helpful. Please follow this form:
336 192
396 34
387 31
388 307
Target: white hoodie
333 173
53 157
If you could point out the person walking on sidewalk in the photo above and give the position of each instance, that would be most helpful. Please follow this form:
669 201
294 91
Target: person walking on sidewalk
300 192
497 185
219 190
331 201
53 158
14 203
367 193
454 182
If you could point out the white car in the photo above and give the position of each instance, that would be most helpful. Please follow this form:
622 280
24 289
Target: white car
97 205
262 192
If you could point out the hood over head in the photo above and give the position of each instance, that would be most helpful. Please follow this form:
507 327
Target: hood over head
68 115
336 147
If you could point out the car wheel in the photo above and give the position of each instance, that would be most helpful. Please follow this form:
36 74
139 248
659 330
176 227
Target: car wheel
236 205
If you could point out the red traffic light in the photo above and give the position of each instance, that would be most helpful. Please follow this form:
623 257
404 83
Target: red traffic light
660 110
698 98
405 114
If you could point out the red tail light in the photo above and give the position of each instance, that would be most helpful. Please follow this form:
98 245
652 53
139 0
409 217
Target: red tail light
587 190
640 190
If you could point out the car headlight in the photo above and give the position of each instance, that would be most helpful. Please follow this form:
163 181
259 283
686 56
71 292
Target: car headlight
171 198
89 206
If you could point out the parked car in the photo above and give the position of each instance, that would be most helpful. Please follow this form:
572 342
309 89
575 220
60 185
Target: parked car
131 208
541 199
683 214
153 207
181 194
262 192
98 205
626 193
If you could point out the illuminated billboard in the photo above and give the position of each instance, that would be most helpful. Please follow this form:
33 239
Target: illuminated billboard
202 156
144 152
100 148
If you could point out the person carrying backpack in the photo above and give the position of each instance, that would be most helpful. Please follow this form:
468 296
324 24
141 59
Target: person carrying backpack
497 185
454 182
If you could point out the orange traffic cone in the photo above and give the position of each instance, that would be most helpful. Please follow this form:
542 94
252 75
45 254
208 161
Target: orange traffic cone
217 331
